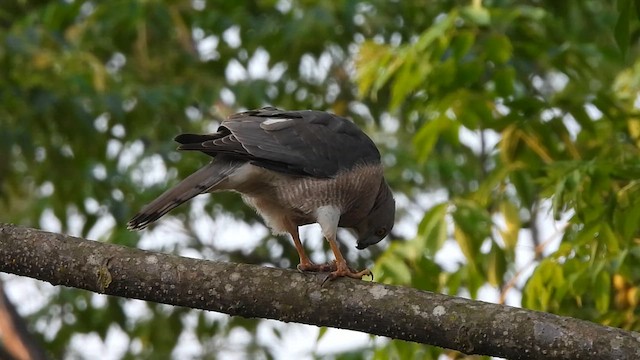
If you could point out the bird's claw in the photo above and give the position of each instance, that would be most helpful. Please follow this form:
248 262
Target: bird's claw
348 272
334 270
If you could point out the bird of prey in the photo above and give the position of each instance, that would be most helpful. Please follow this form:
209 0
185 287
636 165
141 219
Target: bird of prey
295 168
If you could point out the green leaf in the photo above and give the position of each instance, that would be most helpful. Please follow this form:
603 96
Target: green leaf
472 218
321 332
607 237
472 228
433 228
426 138
622 27
393 264
470 72
485 195
539 289
627 214
602 291
469 247
577 279
477 14
372 68
397 270
454 282
462 43
504 79
496 265
498 49
475 280
511 215
436 32
409 76
564 191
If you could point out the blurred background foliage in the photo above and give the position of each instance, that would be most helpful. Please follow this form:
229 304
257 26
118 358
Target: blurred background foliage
510 132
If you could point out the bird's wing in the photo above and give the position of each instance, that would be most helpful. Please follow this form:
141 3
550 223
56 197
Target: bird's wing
307 143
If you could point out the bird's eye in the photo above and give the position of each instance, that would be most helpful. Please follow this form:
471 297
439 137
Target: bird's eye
381 231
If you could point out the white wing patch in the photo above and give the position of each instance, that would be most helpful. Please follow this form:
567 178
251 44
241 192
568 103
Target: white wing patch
273 124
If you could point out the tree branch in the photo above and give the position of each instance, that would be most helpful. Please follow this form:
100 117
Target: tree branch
14 335
472 327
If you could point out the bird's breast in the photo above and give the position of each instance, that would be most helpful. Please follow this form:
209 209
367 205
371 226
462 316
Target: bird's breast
280 197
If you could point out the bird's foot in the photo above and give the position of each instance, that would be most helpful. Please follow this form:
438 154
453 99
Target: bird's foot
343 270
311 267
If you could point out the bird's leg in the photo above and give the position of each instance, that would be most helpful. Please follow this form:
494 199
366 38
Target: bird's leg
328 217
305 262
342 269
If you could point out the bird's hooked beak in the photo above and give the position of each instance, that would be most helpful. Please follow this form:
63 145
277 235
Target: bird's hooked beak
363 243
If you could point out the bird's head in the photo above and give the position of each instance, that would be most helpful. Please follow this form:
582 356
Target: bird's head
377 225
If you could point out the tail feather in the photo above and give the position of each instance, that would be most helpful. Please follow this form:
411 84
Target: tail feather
186 139
192 146
202 181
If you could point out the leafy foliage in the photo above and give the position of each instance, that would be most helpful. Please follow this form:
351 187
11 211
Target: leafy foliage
567 143
510 128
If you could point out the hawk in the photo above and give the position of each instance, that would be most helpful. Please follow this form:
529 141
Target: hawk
295 168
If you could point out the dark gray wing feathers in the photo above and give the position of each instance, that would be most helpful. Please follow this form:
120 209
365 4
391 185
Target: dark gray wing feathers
305 143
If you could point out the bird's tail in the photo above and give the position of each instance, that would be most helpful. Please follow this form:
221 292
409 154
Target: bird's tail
202 181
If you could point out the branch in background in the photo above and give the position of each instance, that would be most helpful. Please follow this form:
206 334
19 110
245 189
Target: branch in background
5 355
15 338
472 327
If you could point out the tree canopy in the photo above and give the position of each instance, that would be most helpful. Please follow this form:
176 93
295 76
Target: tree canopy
509 131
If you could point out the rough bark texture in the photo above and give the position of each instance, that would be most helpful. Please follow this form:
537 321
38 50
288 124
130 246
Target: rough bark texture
472 327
